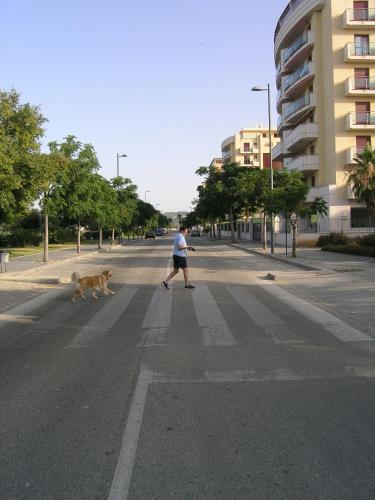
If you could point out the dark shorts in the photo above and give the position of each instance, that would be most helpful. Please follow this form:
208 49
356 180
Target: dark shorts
179 262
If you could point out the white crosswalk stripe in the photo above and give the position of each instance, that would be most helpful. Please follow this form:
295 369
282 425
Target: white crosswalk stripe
271 324
215 330
104 319
158 314
341 330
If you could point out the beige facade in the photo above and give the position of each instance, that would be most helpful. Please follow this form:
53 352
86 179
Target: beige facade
217 163
325 66
249 147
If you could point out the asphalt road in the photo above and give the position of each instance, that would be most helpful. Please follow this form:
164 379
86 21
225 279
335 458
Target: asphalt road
243 388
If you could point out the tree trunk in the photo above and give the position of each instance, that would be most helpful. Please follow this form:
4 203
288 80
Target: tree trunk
232 236
100 236
79 238
113 236
213 230
45 250
219 229
264 231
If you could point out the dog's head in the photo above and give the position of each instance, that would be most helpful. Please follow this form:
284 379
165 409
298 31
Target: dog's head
107 274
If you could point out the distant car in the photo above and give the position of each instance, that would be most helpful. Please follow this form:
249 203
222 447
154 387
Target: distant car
159 231
195 232
149 234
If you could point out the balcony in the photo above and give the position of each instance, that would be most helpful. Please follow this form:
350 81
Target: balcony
351 153
296 12
226 154
278 152
299 109
363 52
360 121
249 151
360 85
299 138
298 81
300 49
359 19
305 163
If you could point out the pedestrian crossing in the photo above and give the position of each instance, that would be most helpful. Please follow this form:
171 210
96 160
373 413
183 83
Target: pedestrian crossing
160 323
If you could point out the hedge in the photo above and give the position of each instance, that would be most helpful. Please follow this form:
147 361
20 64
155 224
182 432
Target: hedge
364 251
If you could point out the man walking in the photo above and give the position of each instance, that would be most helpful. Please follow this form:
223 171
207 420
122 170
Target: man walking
179 258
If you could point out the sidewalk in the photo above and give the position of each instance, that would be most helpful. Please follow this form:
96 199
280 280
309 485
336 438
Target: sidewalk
20 267
310 259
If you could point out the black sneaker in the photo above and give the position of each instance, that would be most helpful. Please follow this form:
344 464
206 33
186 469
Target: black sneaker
165 285
190 287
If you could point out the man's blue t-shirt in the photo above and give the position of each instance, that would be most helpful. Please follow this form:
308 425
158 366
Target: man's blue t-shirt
179 240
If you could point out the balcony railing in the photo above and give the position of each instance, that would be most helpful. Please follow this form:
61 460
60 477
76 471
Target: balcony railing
362 118
296 105
296 45
297 75
361 14
362 49
361 83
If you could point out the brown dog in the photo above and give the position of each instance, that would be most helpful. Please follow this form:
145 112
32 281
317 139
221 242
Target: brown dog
99 282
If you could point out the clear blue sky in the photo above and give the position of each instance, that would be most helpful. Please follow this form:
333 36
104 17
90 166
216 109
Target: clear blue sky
164 81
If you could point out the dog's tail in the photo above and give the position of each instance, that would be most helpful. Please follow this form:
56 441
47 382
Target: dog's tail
75 277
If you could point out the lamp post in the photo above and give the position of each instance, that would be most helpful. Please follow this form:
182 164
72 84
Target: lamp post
146 191
118 156
260 89
294 222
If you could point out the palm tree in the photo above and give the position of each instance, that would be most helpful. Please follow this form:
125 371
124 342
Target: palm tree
361 177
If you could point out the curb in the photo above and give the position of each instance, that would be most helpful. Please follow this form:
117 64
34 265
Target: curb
306 267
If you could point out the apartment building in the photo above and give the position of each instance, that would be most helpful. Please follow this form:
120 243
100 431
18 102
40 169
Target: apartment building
216 162
325 73
250 148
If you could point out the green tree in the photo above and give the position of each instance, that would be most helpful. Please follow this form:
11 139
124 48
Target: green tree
360 177
21 129
77 186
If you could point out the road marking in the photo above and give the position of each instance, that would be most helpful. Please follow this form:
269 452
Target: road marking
272 325
214 328
18 314
158 314
341 330
104 319
154 337
122 477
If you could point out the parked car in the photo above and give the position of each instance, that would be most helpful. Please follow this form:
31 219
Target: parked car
149 234
195 232
159 231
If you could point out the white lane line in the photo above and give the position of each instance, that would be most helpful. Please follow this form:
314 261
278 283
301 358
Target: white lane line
158 314
259 375
154 337
104 319
17 314
122 477
262 316
341 330
215 330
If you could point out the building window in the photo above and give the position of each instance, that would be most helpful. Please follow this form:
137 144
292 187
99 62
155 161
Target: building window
275 136
313 181
361 142
264 136
246 160
246 146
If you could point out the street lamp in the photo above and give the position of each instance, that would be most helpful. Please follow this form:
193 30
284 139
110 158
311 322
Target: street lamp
294 222
118 156
260 89
146 191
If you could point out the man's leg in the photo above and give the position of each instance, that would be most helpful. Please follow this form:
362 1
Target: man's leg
173 273
186 275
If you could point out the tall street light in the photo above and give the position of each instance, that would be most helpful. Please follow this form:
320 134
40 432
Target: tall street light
118 156
260 89
146 191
